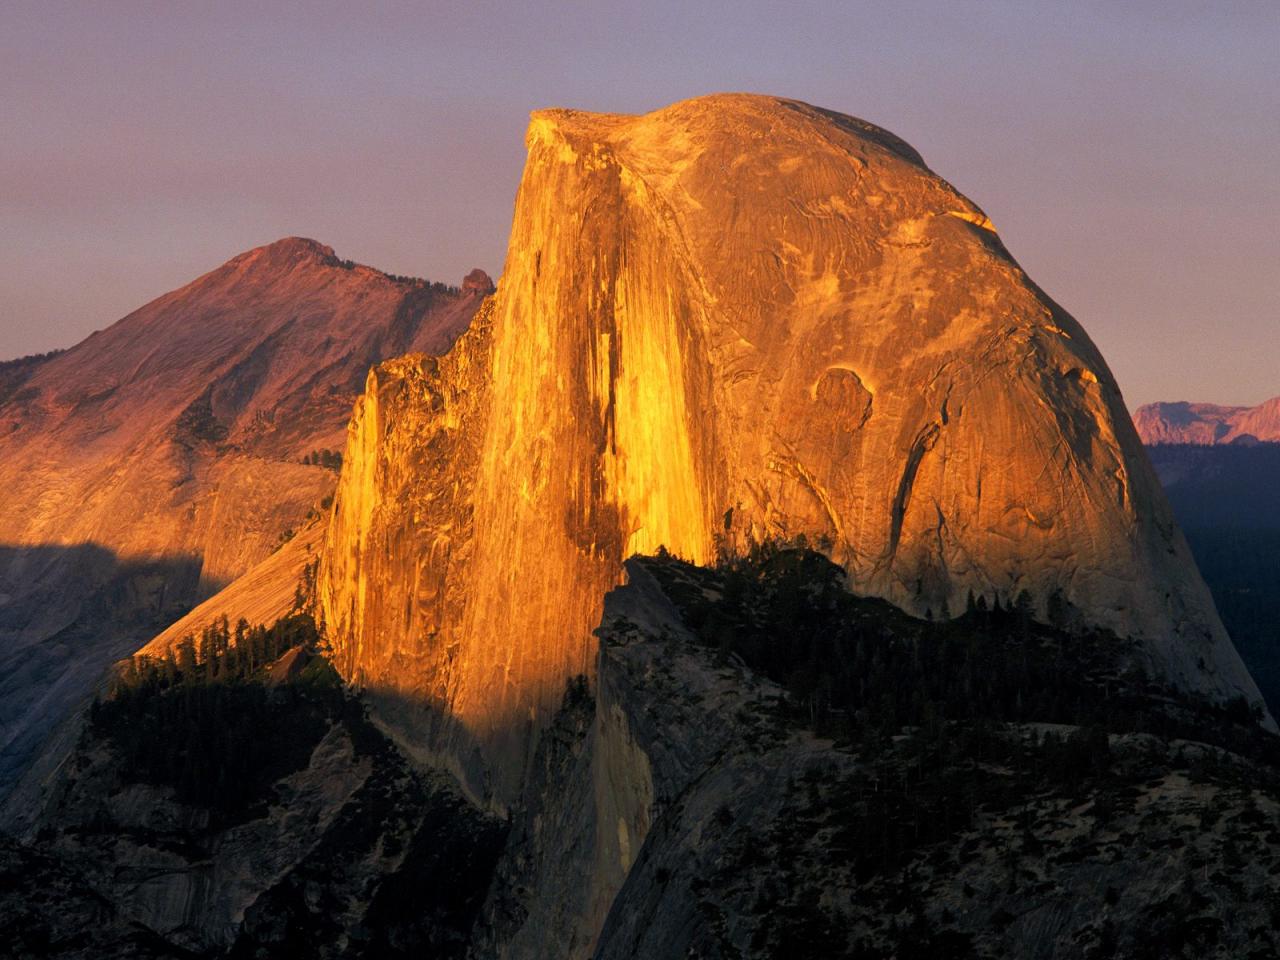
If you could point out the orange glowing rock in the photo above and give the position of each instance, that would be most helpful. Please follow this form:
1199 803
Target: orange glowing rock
733 319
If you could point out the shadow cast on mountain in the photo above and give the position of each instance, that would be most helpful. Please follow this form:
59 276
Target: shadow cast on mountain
67 612
1223 486
1226 498
428 733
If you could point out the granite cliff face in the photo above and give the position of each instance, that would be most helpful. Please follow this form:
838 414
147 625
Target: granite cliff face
1208 423
735 319
163 457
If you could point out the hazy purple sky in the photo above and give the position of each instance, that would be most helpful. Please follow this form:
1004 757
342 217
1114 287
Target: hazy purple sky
1128 152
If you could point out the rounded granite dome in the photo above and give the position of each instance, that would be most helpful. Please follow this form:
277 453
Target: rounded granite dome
735 319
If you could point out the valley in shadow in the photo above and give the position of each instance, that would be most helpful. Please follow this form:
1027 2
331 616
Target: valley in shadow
1227 501
234 799
67 612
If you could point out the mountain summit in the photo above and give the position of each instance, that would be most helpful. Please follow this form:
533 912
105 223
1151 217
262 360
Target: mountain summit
737 319
165 455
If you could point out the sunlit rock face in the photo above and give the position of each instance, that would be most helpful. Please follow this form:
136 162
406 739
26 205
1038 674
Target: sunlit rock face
161 458
733 319
1205 424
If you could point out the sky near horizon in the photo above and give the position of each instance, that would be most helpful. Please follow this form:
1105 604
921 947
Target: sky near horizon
1127 152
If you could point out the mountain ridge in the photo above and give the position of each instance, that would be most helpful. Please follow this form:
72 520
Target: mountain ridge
1208 424
159 459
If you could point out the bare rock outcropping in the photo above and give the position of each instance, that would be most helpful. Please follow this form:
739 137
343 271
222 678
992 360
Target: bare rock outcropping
685 820
734 319
1206 424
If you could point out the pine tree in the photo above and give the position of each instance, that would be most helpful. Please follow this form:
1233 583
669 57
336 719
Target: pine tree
186 662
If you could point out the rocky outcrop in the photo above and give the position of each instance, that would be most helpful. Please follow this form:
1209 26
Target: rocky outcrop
696 811
766 766
165 456
1206 424
344 850
395 573
48 909
477 281
768 841
609 768
735 319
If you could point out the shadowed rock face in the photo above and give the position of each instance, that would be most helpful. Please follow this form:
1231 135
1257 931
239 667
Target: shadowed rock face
733 319
1207 423
179 432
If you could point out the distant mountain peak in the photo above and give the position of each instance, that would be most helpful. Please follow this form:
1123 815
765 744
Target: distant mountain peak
1207 424
297 245
285 252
